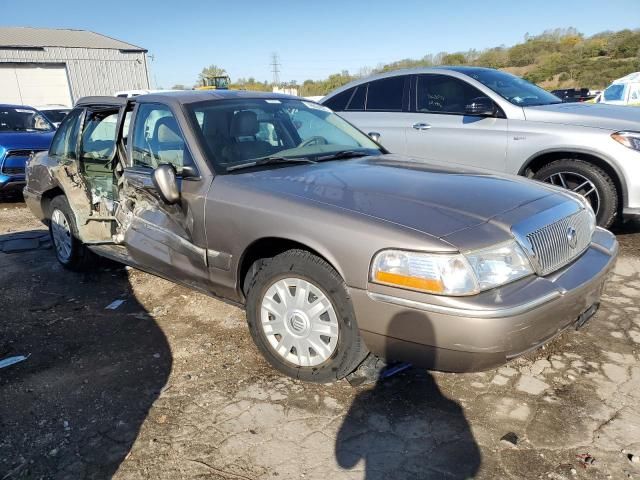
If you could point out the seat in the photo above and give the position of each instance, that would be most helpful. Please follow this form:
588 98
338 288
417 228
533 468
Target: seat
453 94
216 133
167 143
243 131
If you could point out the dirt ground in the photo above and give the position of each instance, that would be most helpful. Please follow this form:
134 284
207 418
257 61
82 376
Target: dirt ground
169 385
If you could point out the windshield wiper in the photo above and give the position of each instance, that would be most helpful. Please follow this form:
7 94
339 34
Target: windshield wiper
343 154
269 161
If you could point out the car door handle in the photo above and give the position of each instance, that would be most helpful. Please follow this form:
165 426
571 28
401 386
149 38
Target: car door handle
421 126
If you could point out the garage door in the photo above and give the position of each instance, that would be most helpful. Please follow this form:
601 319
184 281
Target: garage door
34 85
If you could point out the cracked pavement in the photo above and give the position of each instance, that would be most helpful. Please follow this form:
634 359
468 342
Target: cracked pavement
169 385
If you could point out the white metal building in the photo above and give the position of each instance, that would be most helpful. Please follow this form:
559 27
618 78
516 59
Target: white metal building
40 66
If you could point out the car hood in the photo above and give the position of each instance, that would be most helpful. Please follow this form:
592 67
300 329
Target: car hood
434 199
25 140
598 115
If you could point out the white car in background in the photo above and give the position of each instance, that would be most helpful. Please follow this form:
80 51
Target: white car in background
623 91
54 113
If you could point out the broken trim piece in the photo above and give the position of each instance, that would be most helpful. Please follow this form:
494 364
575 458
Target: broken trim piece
220 260
170 239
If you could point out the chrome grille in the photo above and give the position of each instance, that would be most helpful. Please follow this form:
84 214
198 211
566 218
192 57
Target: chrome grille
560 242
21 153
14 161
13 170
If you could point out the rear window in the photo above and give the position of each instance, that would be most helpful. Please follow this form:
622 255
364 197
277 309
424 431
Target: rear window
339 102
386 94
56 116
358 99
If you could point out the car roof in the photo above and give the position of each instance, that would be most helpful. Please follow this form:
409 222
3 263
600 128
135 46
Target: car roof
10 105
177 97
103 100
52 106
192 96
465 70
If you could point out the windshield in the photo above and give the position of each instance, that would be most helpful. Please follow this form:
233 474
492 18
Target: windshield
235 132
23 120
56 116
614 92
514 89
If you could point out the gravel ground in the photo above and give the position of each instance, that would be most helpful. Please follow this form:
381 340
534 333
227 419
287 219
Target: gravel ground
169 385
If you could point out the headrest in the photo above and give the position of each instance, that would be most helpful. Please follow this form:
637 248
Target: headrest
244 124
167 130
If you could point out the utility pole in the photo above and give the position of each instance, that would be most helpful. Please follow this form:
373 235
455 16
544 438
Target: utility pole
275 68
150 72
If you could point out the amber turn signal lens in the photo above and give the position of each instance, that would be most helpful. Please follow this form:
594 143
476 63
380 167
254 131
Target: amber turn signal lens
425 284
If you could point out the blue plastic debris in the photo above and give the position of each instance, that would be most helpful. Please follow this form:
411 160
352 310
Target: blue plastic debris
374 368
394 368
115 304
7 362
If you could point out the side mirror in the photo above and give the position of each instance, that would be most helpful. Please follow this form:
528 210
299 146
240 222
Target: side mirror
481 106
375 136
164 178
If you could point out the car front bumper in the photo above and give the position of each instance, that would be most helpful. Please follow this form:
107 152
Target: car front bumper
462 334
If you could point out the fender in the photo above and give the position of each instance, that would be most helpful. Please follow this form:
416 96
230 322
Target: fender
577 150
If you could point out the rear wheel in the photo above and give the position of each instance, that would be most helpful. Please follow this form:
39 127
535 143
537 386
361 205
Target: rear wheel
588 180
301 318
70 251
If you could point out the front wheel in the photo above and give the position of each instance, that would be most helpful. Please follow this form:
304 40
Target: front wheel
588 180
301 318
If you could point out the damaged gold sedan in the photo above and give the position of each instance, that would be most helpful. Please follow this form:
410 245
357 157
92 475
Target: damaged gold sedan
335 247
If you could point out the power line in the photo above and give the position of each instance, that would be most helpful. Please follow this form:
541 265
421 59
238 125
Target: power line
275 68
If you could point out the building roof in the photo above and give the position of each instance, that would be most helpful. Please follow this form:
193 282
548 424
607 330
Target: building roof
27 37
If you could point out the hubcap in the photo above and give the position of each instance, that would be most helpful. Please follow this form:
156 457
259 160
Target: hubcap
61 234
299 322
577 183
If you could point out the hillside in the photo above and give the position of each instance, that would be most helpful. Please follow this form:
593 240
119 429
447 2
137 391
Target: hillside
560 58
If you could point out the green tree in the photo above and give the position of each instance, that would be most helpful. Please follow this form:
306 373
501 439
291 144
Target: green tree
493 58
211 71
178 86
454 59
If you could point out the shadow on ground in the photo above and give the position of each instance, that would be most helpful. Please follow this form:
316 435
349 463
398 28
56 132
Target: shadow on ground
405 428
74 408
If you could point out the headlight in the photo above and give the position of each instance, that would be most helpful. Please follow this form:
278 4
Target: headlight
499 265
628 139
451 274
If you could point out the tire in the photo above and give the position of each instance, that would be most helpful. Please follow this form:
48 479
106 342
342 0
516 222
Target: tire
73 255
343 348
607 193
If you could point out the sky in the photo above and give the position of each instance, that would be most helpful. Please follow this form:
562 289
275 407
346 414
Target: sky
312 38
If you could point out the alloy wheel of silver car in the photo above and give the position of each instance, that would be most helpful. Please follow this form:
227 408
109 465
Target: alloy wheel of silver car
299 321
576 183
61 233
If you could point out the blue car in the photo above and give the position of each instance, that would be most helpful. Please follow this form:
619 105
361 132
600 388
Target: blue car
23 131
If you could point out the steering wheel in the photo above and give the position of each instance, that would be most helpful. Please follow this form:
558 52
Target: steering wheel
315 140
